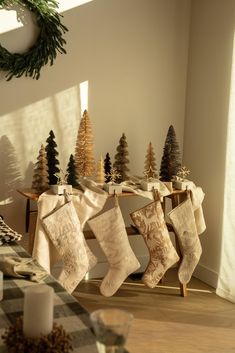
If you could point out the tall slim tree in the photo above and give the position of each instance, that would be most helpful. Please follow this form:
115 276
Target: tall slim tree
150 163
100 176
121 159
72 178
107 167
51 158
40 174
84 156
171 159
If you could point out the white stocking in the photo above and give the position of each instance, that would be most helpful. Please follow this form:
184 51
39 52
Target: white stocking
64 229
109 229
183 221
88 204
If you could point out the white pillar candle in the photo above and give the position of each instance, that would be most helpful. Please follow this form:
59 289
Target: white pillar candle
38 310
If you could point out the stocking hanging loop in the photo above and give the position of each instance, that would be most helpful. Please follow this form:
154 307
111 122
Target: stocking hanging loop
188 193
67 196
116 203
156 194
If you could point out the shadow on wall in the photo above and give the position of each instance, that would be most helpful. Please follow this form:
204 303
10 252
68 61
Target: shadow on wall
9 172
28 175
10 175
23 132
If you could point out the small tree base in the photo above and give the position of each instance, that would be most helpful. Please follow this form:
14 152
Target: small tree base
57 341
113 188
183 185
60 189
149 185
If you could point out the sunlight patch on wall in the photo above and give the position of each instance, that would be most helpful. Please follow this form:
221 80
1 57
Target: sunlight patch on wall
23 131
226 288
65 5
230 160
84 96
9 21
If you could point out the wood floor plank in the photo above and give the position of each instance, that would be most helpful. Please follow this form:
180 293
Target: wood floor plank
165 322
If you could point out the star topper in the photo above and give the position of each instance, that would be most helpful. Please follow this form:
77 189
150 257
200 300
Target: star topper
62 177
114 175
183 172
150 174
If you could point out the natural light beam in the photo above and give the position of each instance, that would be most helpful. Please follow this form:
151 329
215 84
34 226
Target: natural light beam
84 96
226 284
65 5
9 22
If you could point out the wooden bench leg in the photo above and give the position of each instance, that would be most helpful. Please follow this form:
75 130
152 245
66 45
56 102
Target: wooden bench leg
176 200
183 290
32 228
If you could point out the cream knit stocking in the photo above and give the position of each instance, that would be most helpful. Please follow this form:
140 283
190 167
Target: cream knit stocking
150 222
109 229
87 204
183 221
64 229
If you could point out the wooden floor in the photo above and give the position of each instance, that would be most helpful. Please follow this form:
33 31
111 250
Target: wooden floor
165 322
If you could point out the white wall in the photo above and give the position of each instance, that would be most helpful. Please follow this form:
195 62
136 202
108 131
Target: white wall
211 44
134 55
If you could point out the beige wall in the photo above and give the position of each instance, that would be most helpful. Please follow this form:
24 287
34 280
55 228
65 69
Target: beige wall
211 44
134 55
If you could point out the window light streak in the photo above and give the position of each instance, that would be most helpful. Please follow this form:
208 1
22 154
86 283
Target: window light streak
9 22
225 286
65 5
6 201
230 156
84 96
158 286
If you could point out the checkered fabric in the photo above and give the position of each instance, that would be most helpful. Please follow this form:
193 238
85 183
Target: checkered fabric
67 311
7 234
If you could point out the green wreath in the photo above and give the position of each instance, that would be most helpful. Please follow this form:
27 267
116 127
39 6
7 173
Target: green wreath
48 43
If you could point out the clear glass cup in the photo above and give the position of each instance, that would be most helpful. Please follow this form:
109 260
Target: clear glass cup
111 327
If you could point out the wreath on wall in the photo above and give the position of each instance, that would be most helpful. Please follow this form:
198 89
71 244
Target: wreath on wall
44 50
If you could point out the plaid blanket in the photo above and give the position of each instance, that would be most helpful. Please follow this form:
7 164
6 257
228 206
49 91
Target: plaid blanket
67 311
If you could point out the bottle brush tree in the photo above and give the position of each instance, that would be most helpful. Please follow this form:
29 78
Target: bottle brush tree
72 178
107 168
100 175
121 159
40 173
84 157
171 159
52 160
150 170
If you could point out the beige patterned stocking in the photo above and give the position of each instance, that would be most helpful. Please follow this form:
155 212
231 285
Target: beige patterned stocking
109 229
183 221
150 222
64 229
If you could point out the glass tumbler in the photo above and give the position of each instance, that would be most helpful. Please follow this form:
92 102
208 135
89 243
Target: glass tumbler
111 327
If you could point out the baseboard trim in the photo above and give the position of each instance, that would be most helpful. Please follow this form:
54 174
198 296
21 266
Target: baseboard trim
206 275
